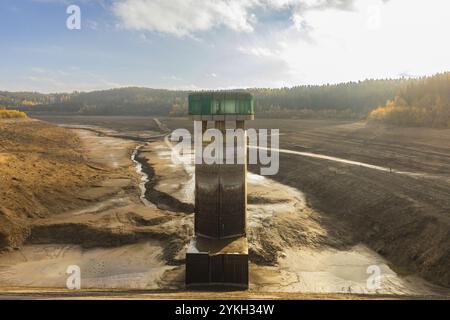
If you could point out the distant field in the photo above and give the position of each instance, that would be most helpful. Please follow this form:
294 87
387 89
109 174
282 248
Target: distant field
121 123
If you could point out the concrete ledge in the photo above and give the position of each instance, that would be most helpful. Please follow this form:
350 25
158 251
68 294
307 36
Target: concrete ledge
218 246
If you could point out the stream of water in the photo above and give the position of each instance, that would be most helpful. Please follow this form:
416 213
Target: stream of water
143 175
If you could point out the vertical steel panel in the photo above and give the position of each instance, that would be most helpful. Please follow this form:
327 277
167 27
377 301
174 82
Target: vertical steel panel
216 269
235 269
232 200
207 200
197 268
230 106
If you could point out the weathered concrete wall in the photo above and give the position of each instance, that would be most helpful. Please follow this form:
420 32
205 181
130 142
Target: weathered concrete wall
221 198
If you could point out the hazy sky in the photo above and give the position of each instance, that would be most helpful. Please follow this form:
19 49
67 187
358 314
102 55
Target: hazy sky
193 44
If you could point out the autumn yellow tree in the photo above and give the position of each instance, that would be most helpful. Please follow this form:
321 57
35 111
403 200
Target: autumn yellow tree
425 103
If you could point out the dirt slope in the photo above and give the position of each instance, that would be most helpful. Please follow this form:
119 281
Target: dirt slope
41 169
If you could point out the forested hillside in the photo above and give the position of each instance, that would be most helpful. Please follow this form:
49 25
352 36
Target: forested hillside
422 103
353 100
345 100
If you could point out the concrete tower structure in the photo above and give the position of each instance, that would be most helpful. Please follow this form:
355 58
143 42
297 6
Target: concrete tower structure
218 253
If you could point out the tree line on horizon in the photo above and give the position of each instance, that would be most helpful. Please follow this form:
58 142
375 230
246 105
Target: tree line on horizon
346 100
352 100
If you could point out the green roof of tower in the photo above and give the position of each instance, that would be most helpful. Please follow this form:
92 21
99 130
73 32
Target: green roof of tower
221 103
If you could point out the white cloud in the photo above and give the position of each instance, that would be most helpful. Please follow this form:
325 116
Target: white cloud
409 38
258 51
172 78
38 70
185 17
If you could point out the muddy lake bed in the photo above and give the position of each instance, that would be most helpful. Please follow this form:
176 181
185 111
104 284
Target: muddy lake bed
293 247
